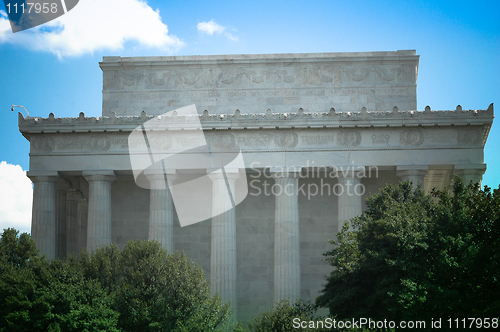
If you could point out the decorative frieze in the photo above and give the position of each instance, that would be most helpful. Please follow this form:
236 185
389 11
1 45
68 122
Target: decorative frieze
349 138
470 136
411 137
325 75
255 139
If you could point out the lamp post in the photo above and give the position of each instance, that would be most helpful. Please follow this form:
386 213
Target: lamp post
12 108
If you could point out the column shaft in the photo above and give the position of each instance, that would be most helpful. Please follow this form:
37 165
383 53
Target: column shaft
72 199
349 200
286 239
99 210
161 213
82 219
61 219
223 250
43 223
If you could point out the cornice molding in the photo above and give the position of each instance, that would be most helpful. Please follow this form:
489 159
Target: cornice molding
268 120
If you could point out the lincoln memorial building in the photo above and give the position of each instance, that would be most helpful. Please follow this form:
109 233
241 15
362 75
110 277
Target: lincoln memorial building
295 144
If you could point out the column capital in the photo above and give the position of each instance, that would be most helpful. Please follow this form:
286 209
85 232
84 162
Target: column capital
413 173
99 175
411 170
154 175
470 172
43 176
231 174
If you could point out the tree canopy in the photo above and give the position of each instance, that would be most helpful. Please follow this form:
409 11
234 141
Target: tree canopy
417 256
139 288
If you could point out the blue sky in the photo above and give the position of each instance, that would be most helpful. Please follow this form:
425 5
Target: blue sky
54 67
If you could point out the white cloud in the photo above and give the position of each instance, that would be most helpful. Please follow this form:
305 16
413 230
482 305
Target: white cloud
95 25
212 27
16 197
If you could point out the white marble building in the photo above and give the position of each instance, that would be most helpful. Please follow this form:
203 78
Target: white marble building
311 114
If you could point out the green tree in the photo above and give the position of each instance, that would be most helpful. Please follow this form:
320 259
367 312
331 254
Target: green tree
138 289
155 291
465 247
417 256
36 295
16 250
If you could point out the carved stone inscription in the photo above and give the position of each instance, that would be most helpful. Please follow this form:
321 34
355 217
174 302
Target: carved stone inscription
349 138
95 143
223 87
440 136
42 144
471 136
233 76
411 137
321 139
380 138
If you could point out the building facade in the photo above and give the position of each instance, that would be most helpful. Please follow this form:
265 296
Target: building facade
318 133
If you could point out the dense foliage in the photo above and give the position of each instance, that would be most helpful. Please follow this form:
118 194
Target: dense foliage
140 288
300 315
415 256
280 318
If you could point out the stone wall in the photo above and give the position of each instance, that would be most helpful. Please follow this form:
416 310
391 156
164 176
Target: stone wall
255 83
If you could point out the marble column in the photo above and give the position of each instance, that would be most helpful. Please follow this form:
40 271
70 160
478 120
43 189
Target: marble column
72 199
82 219
286 237
414 173
161 210
99 208
223 249
43 222
349 192
62 188
472 172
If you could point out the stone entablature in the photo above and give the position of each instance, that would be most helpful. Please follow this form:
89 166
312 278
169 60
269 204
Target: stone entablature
283 82
438 138
271 131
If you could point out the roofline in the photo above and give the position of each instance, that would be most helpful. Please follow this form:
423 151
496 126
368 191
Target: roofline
400 55
269 120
